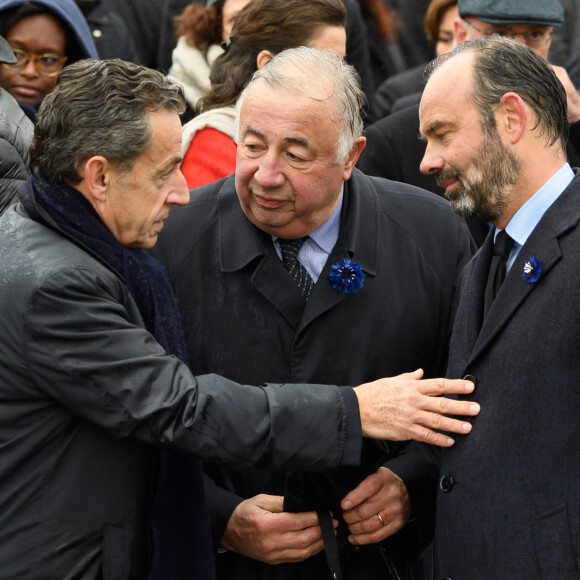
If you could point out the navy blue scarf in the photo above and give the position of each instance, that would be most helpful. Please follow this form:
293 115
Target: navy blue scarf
188 556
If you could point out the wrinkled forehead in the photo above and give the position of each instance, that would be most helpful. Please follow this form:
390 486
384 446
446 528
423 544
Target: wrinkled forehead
310 95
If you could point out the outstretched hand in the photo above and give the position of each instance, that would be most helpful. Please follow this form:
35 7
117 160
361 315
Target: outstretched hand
405 407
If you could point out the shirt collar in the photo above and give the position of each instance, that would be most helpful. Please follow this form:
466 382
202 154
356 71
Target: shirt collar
527 217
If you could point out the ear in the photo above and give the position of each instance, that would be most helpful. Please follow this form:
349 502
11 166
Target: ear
263 58
511 117
460 29
97 178
352 157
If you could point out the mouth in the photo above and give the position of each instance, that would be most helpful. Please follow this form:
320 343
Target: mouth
27 92
448 184
268 202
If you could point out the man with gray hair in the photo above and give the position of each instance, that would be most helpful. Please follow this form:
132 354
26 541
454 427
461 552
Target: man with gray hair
300 268
92 355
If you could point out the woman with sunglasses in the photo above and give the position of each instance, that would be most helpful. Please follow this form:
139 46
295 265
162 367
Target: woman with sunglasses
45 35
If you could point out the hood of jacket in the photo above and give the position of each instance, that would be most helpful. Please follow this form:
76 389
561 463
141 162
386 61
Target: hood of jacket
71 15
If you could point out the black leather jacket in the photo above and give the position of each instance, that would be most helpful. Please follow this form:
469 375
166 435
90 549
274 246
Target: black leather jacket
85 391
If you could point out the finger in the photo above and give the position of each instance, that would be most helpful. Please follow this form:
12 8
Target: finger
445 406
439 386
371 531
392 503
297 546
301 549
270 503
367 491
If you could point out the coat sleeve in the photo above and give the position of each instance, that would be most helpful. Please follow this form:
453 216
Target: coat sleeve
87 351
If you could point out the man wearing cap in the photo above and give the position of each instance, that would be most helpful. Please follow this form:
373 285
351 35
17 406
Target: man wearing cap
531 22
15 138
394 152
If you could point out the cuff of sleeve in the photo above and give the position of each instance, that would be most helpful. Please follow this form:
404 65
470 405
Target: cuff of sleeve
353 437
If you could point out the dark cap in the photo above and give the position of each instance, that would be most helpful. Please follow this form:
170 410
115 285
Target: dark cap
6 54
544 12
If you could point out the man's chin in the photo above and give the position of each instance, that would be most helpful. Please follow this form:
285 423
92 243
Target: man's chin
461 205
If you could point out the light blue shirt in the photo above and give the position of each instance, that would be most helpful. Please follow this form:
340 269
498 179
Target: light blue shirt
317 247
527 217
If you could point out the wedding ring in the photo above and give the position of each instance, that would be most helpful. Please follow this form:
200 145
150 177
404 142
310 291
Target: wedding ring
381 519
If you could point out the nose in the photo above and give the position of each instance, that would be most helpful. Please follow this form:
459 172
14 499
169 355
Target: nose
431 162
29 69
269 173
180 192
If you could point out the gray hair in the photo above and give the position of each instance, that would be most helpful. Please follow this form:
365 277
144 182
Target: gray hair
298 69
99 107
502 65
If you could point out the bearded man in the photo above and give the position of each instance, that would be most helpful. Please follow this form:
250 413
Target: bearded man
508 502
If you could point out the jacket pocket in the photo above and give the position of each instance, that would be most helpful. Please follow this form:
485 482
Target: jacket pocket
553 546
116 554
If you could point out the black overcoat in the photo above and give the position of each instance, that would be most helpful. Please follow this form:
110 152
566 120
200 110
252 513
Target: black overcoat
244 317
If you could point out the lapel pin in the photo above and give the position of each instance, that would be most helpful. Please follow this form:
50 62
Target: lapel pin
346 277
532 270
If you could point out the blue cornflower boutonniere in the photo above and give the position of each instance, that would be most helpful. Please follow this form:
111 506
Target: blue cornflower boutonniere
346 277
532 270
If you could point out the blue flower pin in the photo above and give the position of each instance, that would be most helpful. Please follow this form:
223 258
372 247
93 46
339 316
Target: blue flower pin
346 277
532 270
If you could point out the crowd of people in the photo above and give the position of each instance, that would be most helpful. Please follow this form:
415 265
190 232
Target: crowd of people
287 289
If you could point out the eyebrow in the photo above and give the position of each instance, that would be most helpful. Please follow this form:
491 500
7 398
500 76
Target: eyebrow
290 140
435 126
167 166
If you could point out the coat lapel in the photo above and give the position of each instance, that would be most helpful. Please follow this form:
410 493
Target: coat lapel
360 207
241 243
543 243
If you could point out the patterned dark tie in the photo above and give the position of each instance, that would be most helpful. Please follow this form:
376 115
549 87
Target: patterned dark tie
290 249
497 271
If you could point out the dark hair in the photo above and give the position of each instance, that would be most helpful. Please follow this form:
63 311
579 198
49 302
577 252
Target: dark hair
12 16
273 25
502 65
99 107
434 15
201 25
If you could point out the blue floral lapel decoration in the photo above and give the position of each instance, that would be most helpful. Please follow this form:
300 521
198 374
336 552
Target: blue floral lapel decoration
532 270
346 277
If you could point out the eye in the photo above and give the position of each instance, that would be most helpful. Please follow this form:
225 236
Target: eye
48 60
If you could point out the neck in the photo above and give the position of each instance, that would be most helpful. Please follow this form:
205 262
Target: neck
537 169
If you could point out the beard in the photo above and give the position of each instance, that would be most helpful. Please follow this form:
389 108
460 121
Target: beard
486 182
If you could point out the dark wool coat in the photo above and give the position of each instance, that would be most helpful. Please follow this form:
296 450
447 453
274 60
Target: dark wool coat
509 497
244 317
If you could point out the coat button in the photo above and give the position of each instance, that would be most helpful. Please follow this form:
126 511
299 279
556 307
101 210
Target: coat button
446 483
470 378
